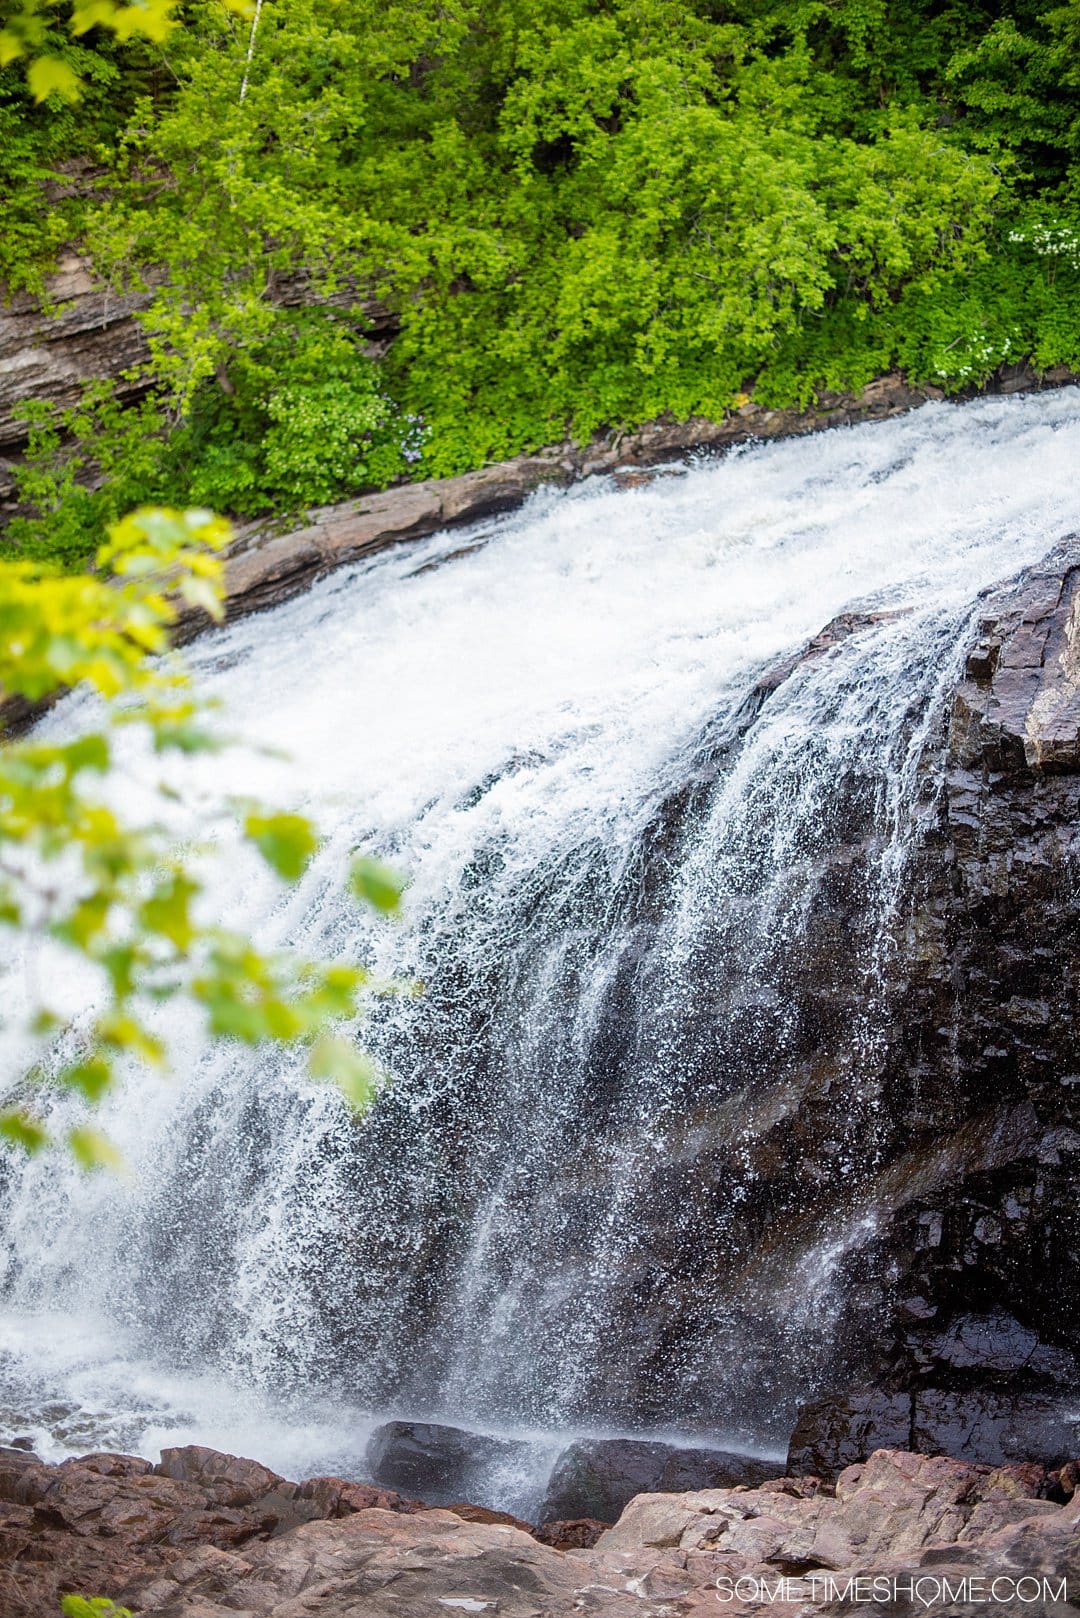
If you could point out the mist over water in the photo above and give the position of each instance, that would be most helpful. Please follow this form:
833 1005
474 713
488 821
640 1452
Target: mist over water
613 865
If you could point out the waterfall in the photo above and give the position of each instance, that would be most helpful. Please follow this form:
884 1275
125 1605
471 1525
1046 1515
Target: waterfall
652 903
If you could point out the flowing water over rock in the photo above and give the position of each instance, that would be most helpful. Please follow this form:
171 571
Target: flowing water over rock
658 870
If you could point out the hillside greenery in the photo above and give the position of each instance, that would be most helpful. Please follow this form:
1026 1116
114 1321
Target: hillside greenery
577 213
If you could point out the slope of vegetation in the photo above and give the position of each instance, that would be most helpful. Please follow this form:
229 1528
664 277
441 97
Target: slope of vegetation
581 213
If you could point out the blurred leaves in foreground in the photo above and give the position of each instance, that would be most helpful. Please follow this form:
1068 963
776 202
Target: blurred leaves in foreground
116 895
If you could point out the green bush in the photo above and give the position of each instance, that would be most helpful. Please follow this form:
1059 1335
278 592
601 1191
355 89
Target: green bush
298 421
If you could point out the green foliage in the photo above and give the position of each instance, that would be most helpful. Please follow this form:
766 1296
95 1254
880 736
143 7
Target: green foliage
30 35
377 886
92 1607
51 152
580 215
286 842
297 421
82 469
118 897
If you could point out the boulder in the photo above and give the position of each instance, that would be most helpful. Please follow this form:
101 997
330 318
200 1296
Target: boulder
581 1533
377 1565
596 1477
231 1479
441 1464
844 1428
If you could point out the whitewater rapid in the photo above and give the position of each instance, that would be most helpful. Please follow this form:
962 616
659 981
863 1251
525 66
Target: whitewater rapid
504 712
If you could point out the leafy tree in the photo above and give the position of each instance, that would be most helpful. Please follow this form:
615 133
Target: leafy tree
116 895
580 215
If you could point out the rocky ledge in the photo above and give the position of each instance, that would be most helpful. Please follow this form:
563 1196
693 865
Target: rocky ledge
205 1535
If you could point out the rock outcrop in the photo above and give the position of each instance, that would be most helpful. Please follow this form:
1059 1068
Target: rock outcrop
48 355
975 1266
88 1525
864 1193
205 1535
596 1478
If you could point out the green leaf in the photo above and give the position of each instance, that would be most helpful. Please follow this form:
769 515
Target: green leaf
48 75
73 1606
92 1151
376 884
92 14
168 911
22 1130
11 47
203 594
88 753
120 963
286 842
355 1074
124 1033
85 922
184 736
149 17
91 1077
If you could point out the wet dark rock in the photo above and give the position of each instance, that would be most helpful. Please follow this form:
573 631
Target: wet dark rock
441 1464
975 1261
978 1424
845 1428
998 1428
941 1217
596 1477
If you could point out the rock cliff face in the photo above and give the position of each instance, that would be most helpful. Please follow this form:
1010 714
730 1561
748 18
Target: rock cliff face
974 1270
49 356
204 1535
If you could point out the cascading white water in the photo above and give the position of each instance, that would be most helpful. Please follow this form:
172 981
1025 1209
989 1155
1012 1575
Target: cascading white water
614 869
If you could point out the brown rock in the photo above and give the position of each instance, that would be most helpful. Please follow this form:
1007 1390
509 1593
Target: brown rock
334 1497
231 1480
107 1525
376 1563
580 1533
484 1514
87 334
